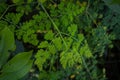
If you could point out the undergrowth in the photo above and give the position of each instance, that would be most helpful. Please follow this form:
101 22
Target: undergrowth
63 40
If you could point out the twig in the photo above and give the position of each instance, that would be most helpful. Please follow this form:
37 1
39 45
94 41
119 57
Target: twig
85 65
10 22
12 5
88 14
6 10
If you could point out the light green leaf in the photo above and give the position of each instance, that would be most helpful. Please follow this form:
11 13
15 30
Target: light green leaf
67 59
49 35
42 1
72 29
29 1
43 44
58 43
41 58
17 1
52 49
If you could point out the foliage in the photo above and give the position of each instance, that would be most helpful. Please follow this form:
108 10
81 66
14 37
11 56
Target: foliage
67 38
17 67
5 45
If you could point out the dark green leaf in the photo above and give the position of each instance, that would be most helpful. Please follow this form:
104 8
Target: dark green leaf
115 1
17 74
7 44
17 62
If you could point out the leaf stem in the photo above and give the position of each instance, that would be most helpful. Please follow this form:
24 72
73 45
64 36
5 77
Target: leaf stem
6 11
55 26
85 65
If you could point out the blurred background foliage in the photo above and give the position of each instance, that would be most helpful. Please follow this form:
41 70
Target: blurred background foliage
59 39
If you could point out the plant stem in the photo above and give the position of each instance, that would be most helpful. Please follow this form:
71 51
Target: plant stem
6 11
55 26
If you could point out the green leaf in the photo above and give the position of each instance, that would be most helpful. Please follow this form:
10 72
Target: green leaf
72 29
52 49
85 51
80 39
43 44
58 43
44 75
41 58
29 1
7 44
17 74
115 1
17 1
49 35
14 18
17 62
67 59
42 1
65 21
